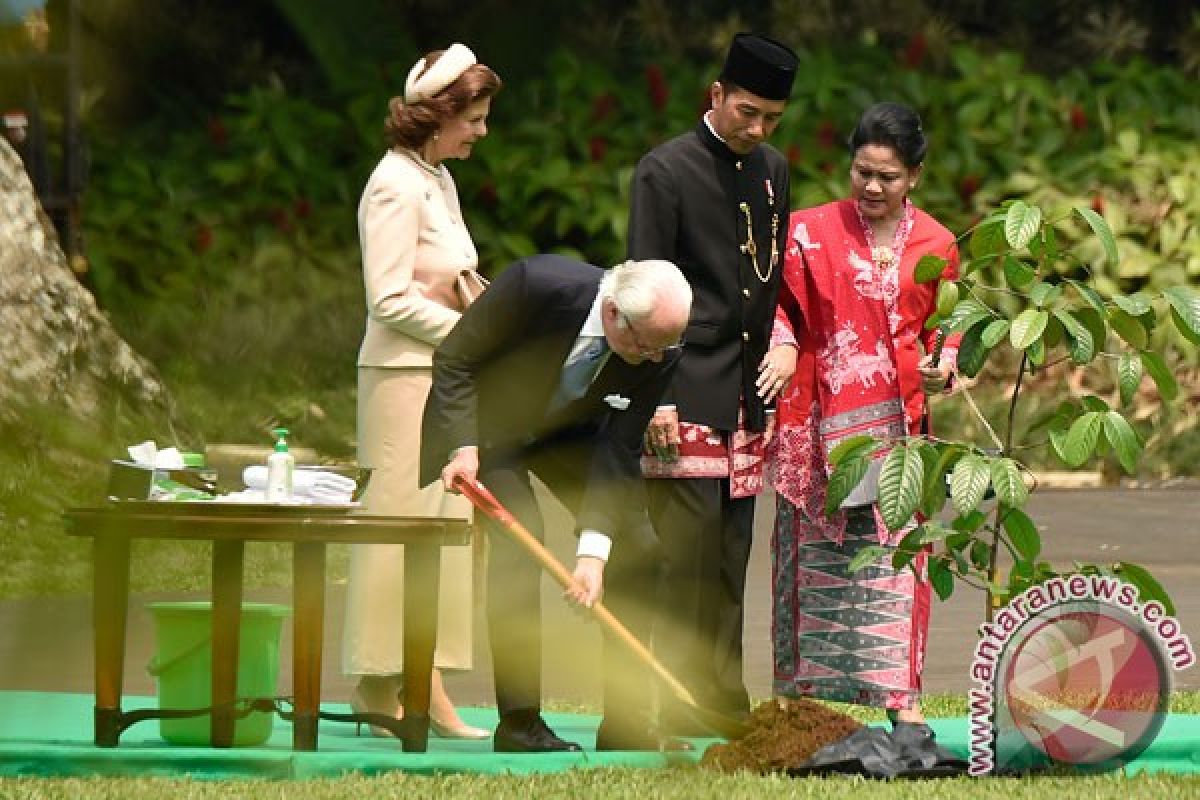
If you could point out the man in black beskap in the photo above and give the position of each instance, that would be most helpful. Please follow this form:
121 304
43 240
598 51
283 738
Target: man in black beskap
714 201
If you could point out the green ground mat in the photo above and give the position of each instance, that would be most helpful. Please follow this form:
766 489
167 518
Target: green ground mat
50 734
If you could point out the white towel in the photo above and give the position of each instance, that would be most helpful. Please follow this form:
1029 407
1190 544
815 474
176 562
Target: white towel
304 481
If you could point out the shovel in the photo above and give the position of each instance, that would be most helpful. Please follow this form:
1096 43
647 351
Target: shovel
483 499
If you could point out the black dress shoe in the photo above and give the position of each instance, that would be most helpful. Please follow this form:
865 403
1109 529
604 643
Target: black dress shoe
528 734
613 736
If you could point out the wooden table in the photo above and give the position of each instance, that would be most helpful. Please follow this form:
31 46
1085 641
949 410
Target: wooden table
229 526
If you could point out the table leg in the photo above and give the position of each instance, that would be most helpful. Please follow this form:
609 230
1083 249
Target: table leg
422 564
110 581
308 630
227 562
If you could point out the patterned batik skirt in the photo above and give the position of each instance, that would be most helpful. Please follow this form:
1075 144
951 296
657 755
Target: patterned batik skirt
851 637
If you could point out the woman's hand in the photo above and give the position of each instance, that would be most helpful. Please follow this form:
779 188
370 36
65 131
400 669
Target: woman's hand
776 370
934 380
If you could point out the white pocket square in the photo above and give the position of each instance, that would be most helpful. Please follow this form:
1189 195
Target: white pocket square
617 402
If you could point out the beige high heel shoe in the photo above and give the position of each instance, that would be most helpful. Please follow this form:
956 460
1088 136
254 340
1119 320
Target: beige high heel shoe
444 721
376 700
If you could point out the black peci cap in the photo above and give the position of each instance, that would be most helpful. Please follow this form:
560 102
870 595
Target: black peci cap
760 65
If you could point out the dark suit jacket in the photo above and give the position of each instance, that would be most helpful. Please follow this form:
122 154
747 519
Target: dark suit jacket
685 207
494 376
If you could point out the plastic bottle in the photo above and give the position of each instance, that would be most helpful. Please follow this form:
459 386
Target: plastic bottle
280 466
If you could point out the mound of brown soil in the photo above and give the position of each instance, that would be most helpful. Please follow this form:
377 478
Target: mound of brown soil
781 738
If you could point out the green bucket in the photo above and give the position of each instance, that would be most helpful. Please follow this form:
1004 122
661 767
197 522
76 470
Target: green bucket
183 667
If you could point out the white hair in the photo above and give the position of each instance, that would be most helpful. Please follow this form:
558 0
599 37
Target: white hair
637 288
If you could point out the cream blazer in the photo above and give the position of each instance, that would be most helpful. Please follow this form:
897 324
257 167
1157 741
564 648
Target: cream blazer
414 245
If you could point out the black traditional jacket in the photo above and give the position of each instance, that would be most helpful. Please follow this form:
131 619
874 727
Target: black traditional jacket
721 218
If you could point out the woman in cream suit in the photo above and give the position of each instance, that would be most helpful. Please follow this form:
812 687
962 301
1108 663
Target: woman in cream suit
415 250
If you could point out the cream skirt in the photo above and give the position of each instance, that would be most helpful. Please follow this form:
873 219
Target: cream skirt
390 402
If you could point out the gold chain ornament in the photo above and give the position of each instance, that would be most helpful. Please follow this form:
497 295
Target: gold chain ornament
751 247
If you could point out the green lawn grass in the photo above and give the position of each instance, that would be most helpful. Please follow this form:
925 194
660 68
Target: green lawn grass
635 784
617 784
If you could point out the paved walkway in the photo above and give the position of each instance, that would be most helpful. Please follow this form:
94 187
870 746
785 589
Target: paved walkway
45 644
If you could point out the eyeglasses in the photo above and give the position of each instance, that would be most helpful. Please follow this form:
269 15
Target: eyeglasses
650 352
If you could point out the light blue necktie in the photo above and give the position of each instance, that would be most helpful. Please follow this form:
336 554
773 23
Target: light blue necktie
578 373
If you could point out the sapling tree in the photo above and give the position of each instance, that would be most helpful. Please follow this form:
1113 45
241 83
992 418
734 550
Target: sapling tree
1019 290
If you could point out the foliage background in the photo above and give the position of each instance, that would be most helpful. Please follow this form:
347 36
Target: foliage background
227 156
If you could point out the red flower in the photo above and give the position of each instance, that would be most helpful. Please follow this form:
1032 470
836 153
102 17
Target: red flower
794 154
656 85
1098 203
1079 118
202 238
915 51
826 135
598 148
280 219
603 106
303 208
217 132
967 187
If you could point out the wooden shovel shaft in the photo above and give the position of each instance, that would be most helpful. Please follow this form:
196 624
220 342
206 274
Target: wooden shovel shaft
483 499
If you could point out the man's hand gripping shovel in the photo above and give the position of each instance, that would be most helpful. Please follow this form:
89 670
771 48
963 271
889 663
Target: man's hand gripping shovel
483 500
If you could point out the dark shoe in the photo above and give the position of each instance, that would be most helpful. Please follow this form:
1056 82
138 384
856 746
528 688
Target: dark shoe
528 734
612 736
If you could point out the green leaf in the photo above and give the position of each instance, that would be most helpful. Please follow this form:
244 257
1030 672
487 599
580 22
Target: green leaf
1168 387
934 531
1043 294
900 480
970 522
1134 305
1185 308
968 483
1006 480
929 269
846 475
941 578
933 495
1093 403
854 446
1096 323
1021 224
1082 438
1129 329
1129 375
1081 345
947 298
1058 443
1090 295
988 239
1022 533
867 556
1101 229
1149 589
1124 440
1037 352
965 314
971 353
981 554
1018 273
1027 328
995 331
